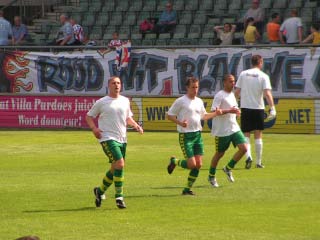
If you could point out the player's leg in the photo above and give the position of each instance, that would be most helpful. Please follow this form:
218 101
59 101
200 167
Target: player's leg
184 145
259 115
247 125
258 148
116 153
238 139
118 175
108 178
221 147
194 152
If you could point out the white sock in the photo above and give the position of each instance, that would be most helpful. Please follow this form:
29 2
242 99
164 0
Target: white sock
258 146
248 153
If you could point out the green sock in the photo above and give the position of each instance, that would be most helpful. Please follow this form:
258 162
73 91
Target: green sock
118 182
212 171
183 163
106 182
231 164
191 178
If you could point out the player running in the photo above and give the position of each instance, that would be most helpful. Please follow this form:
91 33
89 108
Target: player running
114 115
187 112
226 130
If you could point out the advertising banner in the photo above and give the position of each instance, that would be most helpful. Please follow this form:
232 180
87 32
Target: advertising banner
293 115
294 72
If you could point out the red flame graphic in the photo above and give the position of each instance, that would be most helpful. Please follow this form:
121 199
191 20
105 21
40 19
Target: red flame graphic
15 68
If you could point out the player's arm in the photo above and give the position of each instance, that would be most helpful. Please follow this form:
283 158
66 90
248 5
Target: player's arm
174 119
234 110
237 93
134 124
212 114
268 95
96 131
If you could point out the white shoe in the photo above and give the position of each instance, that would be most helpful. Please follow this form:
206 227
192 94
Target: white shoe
103 197
228 172
213 181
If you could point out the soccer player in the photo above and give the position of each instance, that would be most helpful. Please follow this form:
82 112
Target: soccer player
114 115
226 130
252 86
187 112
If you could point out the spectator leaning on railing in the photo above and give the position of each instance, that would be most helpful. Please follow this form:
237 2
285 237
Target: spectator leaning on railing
225 33
5 31
65 34
314 37
273 29
20 31
78 32
167 20
292 27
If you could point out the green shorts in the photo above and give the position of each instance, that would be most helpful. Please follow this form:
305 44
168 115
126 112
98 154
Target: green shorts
223 143
191 144
114 150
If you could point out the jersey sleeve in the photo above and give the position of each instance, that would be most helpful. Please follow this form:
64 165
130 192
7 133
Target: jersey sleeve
203 111
129 112
266 82
175 108
95 109
216 102
239 81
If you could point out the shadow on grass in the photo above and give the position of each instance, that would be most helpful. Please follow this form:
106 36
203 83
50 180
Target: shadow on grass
154 196
62 210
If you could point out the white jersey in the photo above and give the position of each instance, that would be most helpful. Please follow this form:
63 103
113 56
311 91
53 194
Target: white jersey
113 114
252 83
191 110
226 124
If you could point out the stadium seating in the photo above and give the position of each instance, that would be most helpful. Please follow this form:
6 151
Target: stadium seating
196 18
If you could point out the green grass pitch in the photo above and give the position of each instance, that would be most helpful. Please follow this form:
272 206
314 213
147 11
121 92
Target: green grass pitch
47 177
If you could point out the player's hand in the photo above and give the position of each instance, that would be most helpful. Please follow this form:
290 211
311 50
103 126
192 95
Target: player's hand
97 132
218 111
272 114
184 123
139 129
235 110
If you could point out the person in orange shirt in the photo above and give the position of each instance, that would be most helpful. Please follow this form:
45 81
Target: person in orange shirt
273 28
314 37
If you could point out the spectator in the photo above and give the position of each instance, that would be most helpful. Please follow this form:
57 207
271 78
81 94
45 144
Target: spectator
20 31
5 31
167 20
147 26
257 14
314 37
115 42
225 33
251 33
65 35
292 28
78 32
273 29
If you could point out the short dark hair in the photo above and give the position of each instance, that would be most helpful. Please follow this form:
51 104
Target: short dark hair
227 76
274 15
316 26
190 80
112 78
255 60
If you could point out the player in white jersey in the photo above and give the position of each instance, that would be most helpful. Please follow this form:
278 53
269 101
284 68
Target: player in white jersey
187 112
114 115
251 87
226 129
